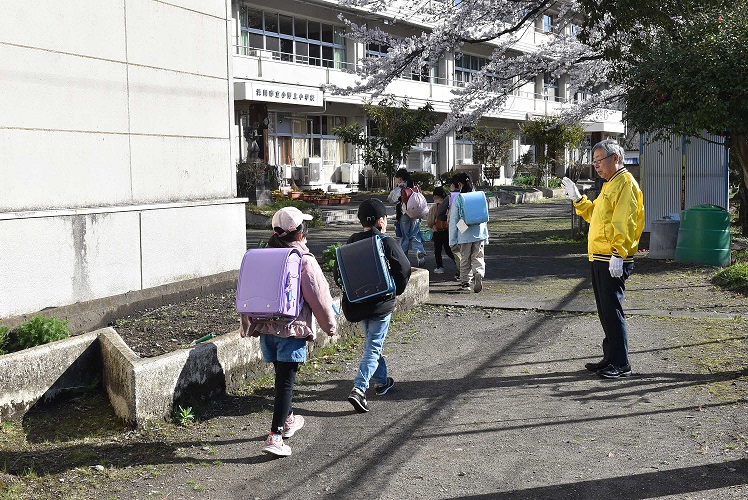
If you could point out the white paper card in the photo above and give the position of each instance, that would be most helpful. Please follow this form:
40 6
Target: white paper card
462 226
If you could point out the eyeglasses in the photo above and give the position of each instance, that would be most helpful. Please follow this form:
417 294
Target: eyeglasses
597 162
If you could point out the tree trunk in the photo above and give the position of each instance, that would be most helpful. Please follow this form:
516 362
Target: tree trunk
739 147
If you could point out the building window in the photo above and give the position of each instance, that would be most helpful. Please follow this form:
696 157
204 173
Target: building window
292 39
466 66
299 137
376 50
426 74
463 147
548 23
550 87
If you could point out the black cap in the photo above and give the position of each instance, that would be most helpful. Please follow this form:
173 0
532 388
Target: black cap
371 210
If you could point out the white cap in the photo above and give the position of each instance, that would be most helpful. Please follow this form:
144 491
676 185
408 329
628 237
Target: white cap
289 218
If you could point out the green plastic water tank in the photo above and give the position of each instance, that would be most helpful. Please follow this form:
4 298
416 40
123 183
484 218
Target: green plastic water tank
704 236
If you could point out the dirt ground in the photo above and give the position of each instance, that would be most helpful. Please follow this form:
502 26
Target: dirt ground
491 399
531 254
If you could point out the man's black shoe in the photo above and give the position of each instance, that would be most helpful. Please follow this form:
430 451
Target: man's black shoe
613 371
593 367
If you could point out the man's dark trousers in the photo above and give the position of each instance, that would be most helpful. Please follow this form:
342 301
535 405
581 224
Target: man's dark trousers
609 300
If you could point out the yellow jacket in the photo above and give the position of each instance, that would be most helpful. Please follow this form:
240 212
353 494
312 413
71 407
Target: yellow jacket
616 218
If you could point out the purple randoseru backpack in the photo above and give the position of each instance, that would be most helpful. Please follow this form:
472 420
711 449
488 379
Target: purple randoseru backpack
269 286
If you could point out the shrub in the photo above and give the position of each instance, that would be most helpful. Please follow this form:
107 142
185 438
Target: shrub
424 180
524 180
735 277
328 257
3 340
446 178
37 331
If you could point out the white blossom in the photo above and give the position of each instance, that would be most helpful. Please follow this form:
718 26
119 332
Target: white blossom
443 28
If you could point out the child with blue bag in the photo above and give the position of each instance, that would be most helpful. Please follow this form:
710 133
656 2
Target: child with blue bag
471 238
374 314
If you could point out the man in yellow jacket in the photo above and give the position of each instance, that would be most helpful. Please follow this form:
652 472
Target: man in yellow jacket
616 219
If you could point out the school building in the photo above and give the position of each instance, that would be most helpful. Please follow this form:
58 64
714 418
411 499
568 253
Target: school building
122 123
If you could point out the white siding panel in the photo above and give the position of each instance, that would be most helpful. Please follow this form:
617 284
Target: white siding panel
190 41
52 169
168 103
53 261
185 243
93 28
169 169
667 190
706 173
47 90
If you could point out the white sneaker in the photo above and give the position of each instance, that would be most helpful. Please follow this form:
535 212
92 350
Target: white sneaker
274 445
292 424
421 259
439 270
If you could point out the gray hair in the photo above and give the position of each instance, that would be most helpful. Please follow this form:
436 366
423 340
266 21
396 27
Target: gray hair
610 146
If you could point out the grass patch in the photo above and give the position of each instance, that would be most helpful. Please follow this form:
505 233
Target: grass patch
720 348
734 277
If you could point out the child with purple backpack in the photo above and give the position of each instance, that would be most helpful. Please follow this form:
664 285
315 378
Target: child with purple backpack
283 343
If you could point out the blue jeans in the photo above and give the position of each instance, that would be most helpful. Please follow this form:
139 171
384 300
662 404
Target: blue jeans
373 366
411 234
286 350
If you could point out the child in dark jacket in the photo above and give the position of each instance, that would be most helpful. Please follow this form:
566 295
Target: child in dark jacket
438 222
375 315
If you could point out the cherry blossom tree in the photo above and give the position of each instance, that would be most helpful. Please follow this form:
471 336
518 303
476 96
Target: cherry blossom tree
603 46
592 44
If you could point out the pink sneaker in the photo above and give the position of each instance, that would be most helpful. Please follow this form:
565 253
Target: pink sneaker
274 446
293 423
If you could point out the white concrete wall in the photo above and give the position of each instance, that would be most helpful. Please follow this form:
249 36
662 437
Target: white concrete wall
114 146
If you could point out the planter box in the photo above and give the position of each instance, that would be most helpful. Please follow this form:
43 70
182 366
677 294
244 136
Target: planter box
142 390
553 192
42 373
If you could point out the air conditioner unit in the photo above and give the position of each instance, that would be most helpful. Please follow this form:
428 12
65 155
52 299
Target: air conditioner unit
312 170
348 173
287 171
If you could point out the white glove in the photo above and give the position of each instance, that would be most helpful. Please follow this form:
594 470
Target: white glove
616 266
571 189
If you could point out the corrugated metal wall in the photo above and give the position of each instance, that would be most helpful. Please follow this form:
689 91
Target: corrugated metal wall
672 180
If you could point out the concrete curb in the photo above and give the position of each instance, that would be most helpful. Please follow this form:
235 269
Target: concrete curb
43 372
143 390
